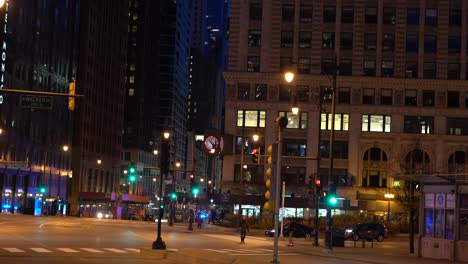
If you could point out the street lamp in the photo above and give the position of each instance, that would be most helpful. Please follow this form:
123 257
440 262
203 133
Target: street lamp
163 162
65 148
99 161
388 196
155 152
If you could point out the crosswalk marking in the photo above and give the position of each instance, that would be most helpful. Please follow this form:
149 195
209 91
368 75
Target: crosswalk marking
41 250
215 250
68 250
133 249
115 250
92 250
248 252
13 250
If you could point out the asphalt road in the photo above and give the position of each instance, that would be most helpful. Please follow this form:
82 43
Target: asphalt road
28 239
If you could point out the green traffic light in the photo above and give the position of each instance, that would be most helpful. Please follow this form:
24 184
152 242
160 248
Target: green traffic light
173 196
132 169
132 178
333 200
42 190
195 191
161 206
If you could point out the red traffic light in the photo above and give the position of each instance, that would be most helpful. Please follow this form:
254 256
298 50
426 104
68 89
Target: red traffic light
254 151
317 182
191 176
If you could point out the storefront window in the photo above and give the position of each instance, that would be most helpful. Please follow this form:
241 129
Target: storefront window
449 224
428 223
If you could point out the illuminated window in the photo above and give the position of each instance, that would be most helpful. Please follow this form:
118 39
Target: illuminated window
131 79
341 121
250 118
295 121
131 92
376 123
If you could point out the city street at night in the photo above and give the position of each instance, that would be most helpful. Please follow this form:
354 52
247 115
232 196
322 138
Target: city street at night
27 239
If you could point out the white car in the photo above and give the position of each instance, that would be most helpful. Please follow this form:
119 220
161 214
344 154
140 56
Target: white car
104 215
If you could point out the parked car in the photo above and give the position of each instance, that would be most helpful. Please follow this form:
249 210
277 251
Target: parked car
105 215
368 231
299 230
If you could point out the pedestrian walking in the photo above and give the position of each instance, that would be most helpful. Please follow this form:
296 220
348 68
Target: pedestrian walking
243 228
199 220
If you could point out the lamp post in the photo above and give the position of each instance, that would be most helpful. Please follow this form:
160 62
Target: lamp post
388 196
163 167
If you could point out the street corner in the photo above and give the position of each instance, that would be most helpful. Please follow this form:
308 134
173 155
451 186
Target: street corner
158 254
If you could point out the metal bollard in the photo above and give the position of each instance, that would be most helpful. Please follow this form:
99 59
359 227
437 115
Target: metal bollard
363 243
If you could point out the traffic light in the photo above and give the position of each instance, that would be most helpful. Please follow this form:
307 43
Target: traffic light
256 155
195 191
42 189
174 196
318 187
164 158
271 157
71 100
331 197
132 173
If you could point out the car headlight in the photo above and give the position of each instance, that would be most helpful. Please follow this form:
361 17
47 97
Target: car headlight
99 215
349 230
107 215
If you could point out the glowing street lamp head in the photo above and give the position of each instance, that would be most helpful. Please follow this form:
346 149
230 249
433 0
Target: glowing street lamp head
155 152
295 110
65 148
255 137
2 3
166 135
289 76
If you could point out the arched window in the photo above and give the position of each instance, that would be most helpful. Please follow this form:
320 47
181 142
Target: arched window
374 169
417 162
457 162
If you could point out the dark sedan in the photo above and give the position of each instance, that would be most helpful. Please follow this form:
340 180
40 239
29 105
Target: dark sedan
368 231
295 229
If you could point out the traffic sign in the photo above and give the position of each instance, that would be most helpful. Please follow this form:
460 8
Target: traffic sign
18 165
35 101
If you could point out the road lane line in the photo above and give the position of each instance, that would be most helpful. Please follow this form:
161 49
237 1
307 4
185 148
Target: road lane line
41 250
262 254
216 250
92 250
116 250
13 250
68 250
133 249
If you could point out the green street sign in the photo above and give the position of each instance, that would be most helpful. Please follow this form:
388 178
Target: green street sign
35 101
18 165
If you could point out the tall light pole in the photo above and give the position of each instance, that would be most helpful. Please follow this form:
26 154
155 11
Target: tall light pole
388 196
163 169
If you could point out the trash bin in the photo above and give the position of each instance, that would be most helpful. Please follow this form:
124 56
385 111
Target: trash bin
338 237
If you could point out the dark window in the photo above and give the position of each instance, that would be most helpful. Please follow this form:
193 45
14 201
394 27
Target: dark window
428 98
340 149
419 125
326 94
386 96
261 92
457 126
387 68
454 17
389 17
295 147
344 95
305 39
453 99
371 15
429 70
430 44
411 97
375 154
305 14
388 42
328 40
369 68
302 93
466 99
285 93
368 96
328 66
370 41
255 38
293 175
431 17
411 70
347 15
253 64
412 16
346 68
288 13
243 91
454 44
304 66
346 41
453 71
412 43
329 14
255 12
287 39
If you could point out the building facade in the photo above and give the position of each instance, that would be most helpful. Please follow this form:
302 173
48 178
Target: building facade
400 95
